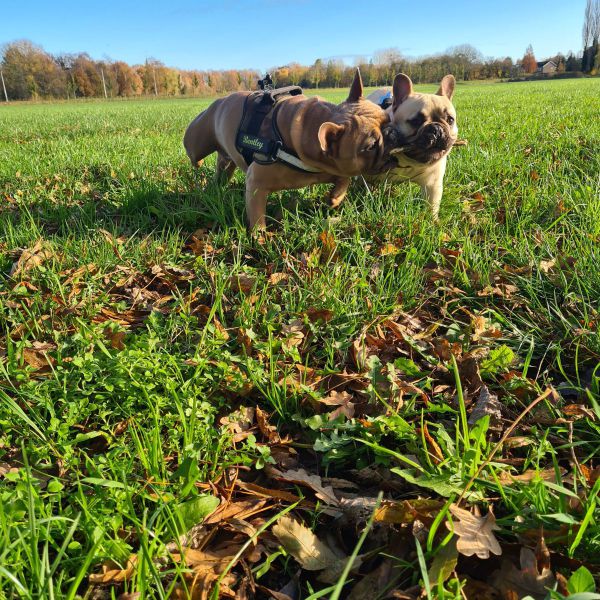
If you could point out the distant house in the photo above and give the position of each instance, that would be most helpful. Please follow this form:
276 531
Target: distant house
546 67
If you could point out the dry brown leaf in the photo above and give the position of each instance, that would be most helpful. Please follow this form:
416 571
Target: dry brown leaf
277 278
373 584
328 245
314 482
389 249
502 290
242 283
37 356
112 573
262 492
309 550
406 387
294 334
547 265
343 401
470 377
240 422
7 468
435 452
475 533
487 405
482 329
115 338
31 258
579 411
199 243
268 430
319 314
406 511
126 319
241 509
527 581
548 474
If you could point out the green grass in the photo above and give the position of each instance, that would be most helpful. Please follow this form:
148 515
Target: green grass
113 438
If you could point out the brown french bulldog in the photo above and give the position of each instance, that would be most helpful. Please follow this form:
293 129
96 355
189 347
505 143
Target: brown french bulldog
426 124
338 142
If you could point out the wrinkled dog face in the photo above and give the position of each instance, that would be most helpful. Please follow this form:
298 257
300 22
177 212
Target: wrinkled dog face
426 123
356 143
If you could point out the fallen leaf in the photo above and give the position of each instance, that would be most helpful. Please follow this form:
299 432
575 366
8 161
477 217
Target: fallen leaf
502 290
262 492
31 258
579 411
475 533
268 430
126 318
115 338
547 265
242 283
294 334
343 401
389 249
548 474
487 404
482 329
527 581
314 482
319 314
309 550
433 448
112 573
277 278
373 584
37 357
7 468
328 246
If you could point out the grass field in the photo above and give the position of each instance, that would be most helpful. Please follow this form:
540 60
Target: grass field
155 361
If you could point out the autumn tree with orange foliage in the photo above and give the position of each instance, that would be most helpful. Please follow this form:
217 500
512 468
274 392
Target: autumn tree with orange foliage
529 63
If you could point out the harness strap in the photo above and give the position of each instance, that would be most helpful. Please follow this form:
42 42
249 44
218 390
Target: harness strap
262 150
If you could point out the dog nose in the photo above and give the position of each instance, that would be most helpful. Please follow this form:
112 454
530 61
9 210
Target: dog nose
433 134
436 130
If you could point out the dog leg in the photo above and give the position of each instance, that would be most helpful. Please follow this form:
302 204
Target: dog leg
225 168
256 204
433 192
338 192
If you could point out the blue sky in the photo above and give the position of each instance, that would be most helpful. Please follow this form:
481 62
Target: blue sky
263 33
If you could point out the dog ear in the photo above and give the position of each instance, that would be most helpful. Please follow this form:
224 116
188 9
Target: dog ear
402 89
356 89
447 87
329 133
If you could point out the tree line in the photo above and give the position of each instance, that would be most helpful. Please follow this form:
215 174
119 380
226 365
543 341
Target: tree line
31 73
28 72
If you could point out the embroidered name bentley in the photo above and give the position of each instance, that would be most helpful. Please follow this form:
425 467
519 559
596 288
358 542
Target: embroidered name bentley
252 141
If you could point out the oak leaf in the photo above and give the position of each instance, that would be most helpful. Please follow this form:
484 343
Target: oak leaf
475 533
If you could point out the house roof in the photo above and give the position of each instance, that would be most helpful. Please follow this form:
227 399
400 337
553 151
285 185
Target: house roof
543 63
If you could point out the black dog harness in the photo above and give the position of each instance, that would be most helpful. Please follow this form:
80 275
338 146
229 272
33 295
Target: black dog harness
266 151
386 100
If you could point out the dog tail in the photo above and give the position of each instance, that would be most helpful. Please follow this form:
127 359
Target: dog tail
199 139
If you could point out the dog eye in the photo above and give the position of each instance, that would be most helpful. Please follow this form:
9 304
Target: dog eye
370 147
450 120
417 121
